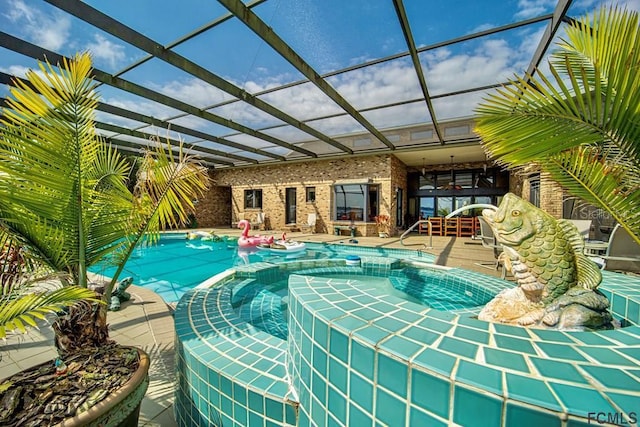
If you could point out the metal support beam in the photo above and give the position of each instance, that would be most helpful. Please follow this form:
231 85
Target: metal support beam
134 145
408 36
148 136
8 80
36 52
111 109
552 28
117 29
262 30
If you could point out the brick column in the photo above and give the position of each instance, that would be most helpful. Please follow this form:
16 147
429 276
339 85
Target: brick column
551 195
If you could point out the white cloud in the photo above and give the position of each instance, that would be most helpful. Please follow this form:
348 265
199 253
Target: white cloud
532 8
16 70
50 31
633 5
193 91
105 50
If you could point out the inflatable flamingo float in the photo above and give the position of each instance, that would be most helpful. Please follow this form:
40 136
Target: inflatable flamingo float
246 241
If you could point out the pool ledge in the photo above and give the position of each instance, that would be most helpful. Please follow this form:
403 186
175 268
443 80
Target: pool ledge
423 366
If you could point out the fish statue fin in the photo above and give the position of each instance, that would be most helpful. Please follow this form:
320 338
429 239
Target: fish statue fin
589 274
572 235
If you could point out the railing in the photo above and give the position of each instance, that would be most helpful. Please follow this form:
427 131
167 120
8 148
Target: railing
473 206
426 221
410 229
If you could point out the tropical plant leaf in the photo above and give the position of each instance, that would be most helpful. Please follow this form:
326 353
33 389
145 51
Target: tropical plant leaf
580 123
18 312
65 194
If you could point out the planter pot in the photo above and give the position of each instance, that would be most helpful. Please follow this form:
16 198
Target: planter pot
121 408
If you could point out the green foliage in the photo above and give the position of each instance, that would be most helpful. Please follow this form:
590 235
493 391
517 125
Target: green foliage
581 122
22 307
65 194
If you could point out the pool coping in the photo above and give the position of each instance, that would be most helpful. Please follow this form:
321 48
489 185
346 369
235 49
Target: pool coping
501 362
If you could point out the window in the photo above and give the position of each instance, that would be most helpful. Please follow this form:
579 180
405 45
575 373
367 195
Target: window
253 199
311 194
534 190
436 196
355 202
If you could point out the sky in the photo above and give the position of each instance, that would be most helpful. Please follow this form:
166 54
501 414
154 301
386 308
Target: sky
330 35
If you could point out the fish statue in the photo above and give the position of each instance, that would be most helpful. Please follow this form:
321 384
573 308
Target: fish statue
557 283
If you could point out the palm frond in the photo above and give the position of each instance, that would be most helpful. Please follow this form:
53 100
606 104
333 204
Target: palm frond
18 313
583 173
165 189
586 110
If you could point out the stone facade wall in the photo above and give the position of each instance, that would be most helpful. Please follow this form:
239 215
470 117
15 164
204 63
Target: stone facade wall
213 210
519 185
398 182
273 180
551 196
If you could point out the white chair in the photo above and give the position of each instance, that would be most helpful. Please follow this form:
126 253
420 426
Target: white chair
622 253
583 226
310 226
258 221
488 240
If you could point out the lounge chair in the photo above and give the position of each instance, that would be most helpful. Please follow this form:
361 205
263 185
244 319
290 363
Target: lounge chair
583 226
622 253
257 221
488 240
310 226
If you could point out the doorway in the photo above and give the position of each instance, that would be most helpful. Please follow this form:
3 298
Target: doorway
290 206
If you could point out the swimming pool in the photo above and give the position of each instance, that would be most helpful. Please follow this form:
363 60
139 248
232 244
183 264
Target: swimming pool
175 265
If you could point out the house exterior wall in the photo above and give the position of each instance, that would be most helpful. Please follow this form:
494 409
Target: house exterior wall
212 210
551 196
273 180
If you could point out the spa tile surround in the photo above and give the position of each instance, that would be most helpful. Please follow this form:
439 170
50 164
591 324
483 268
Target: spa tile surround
357 357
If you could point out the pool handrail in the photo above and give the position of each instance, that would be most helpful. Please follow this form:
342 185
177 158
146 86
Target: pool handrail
472 206
410 229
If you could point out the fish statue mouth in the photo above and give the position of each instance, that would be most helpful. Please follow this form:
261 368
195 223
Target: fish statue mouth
489 216
504 236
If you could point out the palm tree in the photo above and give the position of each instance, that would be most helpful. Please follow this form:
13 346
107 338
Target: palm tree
581 121
64 194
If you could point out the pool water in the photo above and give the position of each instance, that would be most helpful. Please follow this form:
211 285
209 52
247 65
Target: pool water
175 265
264 305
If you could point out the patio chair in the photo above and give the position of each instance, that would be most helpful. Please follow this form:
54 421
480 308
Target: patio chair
436 226
257 221
488 240
451 226
622 253
466 227
310 226
583 226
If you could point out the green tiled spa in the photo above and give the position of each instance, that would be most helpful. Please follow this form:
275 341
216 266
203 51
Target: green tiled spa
354 355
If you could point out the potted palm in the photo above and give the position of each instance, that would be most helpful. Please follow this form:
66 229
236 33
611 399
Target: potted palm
65 200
